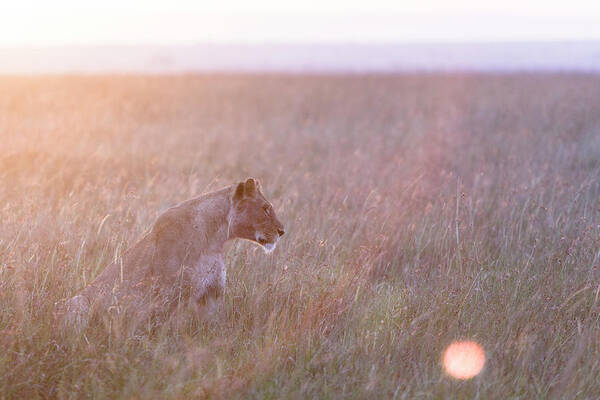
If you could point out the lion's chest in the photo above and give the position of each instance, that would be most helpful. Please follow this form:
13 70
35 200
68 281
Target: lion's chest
207 273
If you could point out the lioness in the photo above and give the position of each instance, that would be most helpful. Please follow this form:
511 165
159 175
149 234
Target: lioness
181 258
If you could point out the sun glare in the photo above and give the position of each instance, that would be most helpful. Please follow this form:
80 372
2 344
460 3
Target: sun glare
64 22
464 360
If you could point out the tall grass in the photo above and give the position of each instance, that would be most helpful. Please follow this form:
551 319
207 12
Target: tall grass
419 209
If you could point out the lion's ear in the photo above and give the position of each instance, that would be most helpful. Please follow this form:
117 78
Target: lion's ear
250 186
239 192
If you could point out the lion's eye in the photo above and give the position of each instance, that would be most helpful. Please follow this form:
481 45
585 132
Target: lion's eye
267 210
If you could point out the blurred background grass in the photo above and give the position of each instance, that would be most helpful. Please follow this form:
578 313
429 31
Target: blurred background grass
419 209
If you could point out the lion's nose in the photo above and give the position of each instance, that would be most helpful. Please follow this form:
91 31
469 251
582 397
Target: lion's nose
280 231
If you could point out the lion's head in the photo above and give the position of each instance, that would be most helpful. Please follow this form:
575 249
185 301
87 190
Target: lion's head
253 217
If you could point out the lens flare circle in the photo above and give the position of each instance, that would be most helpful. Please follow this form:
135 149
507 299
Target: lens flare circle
464 360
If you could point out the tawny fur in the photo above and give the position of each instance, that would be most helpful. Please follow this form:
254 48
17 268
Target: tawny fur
180 259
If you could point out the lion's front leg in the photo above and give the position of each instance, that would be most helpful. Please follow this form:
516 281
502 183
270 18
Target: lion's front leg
208 287
209 305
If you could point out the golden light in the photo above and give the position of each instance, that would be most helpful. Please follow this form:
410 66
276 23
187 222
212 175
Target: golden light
464 360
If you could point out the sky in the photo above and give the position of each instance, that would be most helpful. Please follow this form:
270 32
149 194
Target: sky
68 22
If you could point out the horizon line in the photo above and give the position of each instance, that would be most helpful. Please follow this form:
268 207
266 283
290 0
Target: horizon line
184 43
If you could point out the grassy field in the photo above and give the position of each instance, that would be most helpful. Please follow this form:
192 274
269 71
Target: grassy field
419 210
